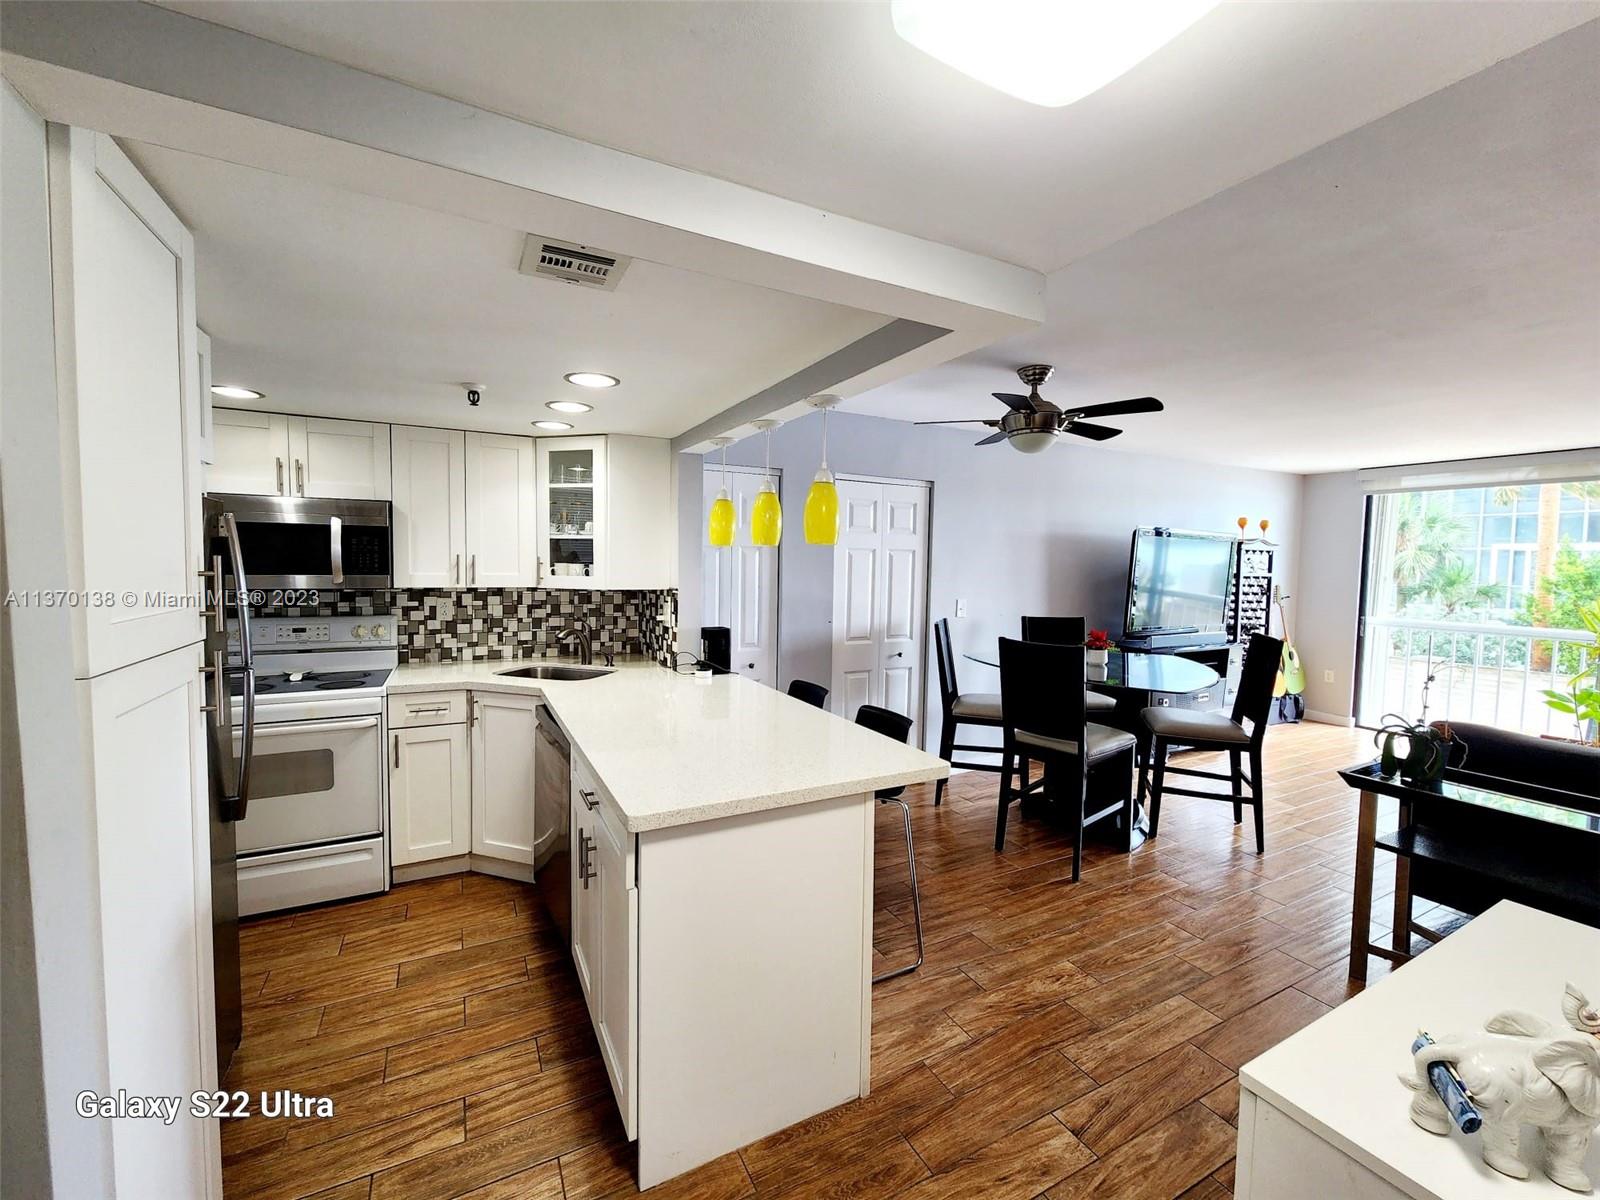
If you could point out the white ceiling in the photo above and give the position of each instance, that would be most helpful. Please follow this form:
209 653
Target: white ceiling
1424 288
822 103
343 304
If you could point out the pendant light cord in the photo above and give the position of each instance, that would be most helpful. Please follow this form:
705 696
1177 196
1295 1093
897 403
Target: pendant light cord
824 439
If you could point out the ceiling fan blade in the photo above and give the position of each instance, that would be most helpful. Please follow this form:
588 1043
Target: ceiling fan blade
1014 402
1098 433
961 421
1117 408
991 439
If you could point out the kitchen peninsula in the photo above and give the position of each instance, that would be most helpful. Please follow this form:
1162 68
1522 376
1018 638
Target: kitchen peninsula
722 894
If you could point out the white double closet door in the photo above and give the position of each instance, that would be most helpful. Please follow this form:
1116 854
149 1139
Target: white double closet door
739 583
880 583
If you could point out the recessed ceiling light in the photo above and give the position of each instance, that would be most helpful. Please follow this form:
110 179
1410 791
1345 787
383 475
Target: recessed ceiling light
592 379
1046 54
569 406
552 425
232 391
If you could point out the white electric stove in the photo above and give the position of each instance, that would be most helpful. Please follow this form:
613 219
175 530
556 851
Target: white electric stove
315 825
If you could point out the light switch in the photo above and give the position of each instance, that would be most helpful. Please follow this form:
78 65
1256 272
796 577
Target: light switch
1327 677
961 608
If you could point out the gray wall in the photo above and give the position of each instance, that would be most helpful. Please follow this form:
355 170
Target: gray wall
1011 533
1333 514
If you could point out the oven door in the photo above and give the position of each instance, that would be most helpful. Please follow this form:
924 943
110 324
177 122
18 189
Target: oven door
291 543
313 782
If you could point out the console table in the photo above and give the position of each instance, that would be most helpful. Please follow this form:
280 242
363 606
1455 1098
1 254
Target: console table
1481 838
1322 1113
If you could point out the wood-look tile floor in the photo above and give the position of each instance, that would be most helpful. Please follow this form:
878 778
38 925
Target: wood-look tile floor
1061 1040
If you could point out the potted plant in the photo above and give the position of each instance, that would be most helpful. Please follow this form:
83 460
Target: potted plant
1095 647
1581 698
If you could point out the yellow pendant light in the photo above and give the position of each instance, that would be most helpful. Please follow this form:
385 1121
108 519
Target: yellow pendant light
822 501
766 513
724 519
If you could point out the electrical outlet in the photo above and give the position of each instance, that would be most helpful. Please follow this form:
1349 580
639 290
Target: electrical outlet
961 608
1327 677
445 609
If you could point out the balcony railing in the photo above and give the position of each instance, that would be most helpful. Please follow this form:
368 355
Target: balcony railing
1490 673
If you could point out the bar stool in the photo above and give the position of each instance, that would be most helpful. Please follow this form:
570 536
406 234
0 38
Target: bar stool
977 708
894 725
1213 731
811 693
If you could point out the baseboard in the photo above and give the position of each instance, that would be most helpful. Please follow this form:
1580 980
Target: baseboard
460 865
1327 718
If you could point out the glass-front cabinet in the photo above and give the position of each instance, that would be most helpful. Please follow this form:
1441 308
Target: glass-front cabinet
571 519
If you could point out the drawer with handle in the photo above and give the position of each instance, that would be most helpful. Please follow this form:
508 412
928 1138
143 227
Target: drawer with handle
410 709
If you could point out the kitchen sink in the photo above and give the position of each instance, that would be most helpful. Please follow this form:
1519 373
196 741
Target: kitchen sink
556 672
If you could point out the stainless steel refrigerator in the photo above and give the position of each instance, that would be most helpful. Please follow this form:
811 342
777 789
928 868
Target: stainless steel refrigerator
229 685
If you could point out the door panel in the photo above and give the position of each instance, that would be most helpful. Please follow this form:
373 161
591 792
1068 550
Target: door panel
249 454
429 507
503 740
501 543
430 795
312 781
880 578
740 582
345 460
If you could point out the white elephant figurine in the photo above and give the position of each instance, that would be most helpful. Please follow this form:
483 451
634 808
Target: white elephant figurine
1524 1070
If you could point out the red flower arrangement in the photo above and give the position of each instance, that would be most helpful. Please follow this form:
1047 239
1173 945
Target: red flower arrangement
1098 639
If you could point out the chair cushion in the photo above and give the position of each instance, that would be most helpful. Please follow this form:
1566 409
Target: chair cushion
1102 740
1194 727
1098 702
982 705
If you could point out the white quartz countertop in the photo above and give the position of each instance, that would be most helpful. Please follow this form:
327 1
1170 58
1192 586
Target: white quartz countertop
673 749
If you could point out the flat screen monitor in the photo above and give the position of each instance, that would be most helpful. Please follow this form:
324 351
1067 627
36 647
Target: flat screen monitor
1178 582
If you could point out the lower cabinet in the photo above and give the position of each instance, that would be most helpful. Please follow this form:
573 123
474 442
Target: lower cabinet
605 934
502 774
430 793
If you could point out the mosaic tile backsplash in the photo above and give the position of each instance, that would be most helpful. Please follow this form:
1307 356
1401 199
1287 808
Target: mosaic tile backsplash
501 623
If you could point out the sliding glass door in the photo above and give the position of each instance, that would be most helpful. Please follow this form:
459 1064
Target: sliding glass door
1474 603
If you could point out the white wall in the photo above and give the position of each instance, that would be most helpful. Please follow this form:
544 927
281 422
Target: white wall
1012 533
1327 602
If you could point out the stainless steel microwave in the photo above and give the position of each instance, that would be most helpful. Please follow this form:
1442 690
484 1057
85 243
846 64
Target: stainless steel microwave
298 542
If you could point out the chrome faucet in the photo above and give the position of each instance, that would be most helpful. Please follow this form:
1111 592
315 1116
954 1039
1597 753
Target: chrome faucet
579 629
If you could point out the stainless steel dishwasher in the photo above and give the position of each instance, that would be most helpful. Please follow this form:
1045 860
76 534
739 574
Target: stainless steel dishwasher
552 822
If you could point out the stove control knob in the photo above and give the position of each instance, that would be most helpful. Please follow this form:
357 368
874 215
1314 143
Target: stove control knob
378 631
359 632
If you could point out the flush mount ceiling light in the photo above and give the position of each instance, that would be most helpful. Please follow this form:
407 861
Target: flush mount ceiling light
553 426
1047 52
232 391
591 379
569 406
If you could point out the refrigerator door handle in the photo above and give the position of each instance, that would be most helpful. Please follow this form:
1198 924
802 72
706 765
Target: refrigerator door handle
245 669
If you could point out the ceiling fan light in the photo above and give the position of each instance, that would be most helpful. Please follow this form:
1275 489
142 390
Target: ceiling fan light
1032 441
1047 52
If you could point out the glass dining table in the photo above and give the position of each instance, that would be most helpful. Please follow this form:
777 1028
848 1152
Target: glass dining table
1136 680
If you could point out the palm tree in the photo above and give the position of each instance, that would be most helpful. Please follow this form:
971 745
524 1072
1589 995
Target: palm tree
1425 539
1454 587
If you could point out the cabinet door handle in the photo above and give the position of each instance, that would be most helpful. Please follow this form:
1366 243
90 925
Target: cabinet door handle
472 709
300 477
397 752
589 800
472 569
456 572
280 475
586 866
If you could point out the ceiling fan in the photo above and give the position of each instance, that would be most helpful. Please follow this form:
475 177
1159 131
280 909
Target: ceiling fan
1033 424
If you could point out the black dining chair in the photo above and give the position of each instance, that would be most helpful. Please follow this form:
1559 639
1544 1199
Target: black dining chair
972 708
897 726
1067 631
811 693
1041 698
1240 734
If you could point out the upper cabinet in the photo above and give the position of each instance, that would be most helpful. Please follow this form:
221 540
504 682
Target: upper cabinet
430 507
605 515
266 454
500 508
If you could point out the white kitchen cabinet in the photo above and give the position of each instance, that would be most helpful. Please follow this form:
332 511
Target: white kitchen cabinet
501 544
249 454
269 454
605 513
430 521
502 736
430 793
339 460
605 933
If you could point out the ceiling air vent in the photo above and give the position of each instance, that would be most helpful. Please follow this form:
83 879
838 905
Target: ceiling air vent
583 265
